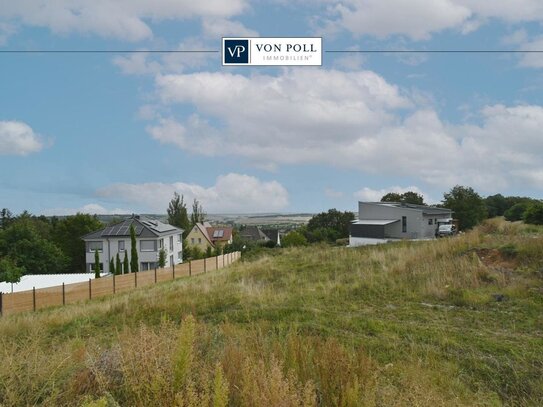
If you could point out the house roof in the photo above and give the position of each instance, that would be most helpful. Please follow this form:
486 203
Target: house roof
143 226
219 234
380 222
253 233
273 234
203 230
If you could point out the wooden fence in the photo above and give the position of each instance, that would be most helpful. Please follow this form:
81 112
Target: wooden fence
36 299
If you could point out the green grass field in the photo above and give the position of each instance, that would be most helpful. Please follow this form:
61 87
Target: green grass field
450 322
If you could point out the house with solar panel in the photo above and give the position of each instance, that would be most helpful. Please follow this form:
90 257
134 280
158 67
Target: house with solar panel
203 235
151 237
380 222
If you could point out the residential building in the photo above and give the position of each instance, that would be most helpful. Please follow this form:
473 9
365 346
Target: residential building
203 235
253 234
380 222
151 237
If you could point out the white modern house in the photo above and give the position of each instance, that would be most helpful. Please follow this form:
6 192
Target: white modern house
380 222
151 237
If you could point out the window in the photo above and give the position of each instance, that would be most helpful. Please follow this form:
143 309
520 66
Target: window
144 266
95 246
121 246
430 221
199 240
179 237
404 224
179 255
192 240
148 245
161 243
171 243
92 268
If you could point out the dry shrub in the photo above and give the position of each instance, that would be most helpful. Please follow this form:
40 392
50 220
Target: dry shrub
263 385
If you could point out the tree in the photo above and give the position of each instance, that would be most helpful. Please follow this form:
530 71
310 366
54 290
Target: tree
126 266
534 214
408 197
10 272
516 212
209 251
496 205
392 197
67 236
112 266
118 265
293 239
96 264
468 206
133 251
177 214
22 241
330 226
198 215
6 217
161 258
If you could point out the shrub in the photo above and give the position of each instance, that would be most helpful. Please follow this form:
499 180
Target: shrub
534 214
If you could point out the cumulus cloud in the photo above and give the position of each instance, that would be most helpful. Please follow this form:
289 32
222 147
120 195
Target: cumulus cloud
123 19
419 19
375 195
352 120
232 193
18 138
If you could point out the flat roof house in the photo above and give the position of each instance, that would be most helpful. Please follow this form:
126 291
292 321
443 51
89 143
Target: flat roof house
379 222
151 236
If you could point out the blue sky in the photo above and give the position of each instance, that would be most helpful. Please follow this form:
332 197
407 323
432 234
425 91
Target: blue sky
113 133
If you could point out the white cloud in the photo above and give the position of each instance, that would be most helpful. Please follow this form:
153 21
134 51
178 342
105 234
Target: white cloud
352 120
18 138
123 19
232 193
419 19
375 195
222 27
91 209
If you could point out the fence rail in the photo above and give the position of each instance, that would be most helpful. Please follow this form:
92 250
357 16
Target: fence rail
36 299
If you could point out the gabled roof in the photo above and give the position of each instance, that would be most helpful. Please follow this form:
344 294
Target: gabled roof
273 234
203 230
143 226
253 233
219 234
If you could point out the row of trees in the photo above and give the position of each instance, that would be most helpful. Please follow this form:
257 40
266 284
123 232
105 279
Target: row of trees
40 245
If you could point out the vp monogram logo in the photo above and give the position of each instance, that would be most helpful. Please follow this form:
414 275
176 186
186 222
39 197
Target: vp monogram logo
236 51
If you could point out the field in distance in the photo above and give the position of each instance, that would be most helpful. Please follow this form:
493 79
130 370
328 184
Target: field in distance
456 321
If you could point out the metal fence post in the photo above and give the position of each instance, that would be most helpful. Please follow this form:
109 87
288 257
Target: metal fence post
114 288
34 298
173 273
90 289
216 262
205 265
135 279
63 295
190 268
155 274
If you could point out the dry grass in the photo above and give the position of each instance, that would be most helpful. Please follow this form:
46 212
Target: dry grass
448 322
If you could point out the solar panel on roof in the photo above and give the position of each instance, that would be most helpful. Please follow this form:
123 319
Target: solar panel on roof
107 231
123 230
221 233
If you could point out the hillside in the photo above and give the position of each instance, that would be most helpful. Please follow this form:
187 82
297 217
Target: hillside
451 322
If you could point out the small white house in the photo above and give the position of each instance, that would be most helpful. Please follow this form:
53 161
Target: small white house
151 237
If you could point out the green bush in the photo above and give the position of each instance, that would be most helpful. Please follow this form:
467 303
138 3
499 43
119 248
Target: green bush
534 214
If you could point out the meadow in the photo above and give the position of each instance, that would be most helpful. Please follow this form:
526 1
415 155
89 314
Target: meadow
456 321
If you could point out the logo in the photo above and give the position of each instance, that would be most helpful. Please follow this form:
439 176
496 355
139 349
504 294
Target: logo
236 51
272 51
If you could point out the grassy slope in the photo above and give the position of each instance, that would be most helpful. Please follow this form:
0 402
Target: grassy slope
408 323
